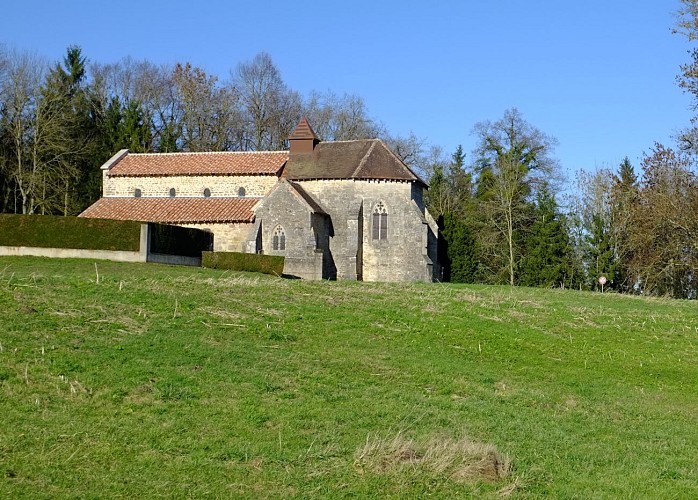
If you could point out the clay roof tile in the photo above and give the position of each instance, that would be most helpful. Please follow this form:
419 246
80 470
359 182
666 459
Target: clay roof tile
214 163
174 210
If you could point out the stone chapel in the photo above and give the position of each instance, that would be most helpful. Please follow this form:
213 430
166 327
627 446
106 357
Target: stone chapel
347 210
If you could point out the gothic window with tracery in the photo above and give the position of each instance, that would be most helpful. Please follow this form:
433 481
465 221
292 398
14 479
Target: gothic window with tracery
380 222
278 239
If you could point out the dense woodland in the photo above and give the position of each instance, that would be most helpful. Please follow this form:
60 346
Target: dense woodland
502 210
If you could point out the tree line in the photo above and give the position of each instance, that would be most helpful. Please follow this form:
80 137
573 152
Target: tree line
501 221
505 213
59 123
622 229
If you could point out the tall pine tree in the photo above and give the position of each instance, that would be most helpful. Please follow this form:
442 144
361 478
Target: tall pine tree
601 260
546 245
625 193
458 245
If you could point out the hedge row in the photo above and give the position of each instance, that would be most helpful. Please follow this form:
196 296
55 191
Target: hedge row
252 262
54 231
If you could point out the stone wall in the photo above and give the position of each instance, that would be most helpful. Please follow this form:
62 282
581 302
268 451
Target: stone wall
189 186
340 246
305 233
227 237
433 247
342 201
403 256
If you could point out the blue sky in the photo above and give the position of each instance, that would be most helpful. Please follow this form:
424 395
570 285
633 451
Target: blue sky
597 75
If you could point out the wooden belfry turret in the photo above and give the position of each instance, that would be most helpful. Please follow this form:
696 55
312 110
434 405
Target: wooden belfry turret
303 139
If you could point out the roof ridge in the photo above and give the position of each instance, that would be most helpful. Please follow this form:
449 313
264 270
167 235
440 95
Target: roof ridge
390 151
182 153
374 139
364 159
178 197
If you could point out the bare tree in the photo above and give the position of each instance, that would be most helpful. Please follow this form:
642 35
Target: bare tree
20 94
687 19
665 225
57 146
440 198
517 158
409 149
595 235
209 113
687 25
44 135
344 118
266 102
5 185
150 87
289 112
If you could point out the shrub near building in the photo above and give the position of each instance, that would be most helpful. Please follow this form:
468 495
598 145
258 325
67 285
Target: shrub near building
234 261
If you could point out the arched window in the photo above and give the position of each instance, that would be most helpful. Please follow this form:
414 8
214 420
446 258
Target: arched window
380 222
278 239
241 192
137 193
207 193
173 192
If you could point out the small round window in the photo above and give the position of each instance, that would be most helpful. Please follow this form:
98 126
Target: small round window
207 193
173 192
241 192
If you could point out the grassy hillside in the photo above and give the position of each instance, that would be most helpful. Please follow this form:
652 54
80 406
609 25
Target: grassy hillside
144 380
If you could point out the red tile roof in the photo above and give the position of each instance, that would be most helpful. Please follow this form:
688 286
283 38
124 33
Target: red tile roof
216 163
174 210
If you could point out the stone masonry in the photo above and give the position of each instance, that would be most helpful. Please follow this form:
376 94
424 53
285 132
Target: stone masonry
348 210
189 186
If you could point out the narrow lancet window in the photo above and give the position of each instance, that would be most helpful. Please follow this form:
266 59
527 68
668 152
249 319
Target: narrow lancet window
380 223
278 239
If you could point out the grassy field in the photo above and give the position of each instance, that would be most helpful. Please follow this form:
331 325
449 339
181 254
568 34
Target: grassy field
139 380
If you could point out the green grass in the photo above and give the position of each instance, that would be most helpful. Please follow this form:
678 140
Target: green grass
166 381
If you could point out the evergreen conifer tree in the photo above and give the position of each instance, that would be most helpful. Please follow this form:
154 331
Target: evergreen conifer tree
461 249
546 245
601 259
625 196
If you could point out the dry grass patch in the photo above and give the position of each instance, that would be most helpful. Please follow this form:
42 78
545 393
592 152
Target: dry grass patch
236 281
471 297
433 308
517 314
461 460
223 313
